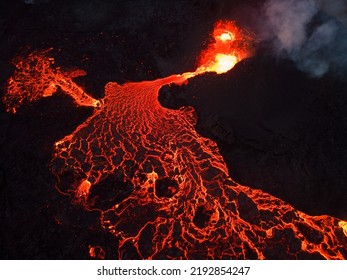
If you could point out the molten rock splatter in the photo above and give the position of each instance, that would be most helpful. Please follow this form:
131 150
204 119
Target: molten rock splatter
162 189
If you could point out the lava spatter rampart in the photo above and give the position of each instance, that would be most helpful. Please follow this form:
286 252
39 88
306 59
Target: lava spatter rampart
162 189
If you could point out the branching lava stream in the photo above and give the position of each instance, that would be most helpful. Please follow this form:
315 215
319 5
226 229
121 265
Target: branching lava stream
162 189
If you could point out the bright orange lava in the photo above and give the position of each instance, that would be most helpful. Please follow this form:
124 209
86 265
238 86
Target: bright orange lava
35 79
162 189
229 46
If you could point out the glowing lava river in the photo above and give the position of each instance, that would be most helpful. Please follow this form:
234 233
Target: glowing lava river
162 189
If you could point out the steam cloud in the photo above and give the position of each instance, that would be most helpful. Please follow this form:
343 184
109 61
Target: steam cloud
311 33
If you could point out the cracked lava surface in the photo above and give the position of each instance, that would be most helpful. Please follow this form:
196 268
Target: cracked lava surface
161 188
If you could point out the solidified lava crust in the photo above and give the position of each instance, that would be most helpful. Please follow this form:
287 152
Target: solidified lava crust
161 189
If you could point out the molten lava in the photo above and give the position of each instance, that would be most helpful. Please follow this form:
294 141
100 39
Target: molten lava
229 46
226 37
223 63
36 79
161 188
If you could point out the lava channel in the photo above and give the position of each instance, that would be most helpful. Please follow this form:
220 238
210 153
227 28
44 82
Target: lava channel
161 188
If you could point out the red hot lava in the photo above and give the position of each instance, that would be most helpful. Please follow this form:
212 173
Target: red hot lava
162 189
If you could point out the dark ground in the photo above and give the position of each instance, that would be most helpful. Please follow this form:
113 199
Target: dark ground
277 129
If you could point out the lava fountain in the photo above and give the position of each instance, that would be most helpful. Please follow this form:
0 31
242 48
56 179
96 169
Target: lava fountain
161 188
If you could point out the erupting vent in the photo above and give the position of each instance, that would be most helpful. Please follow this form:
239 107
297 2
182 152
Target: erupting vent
162 189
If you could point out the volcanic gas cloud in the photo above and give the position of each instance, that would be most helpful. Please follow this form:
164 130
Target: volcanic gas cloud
162 189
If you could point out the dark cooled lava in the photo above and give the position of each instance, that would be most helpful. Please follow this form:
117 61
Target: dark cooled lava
160 188
286 137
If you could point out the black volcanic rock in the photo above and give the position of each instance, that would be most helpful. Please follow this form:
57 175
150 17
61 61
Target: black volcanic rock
113 41
277 130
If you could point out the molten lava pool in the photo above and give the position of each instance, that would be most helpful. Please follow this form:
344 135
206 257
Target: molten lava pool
162 189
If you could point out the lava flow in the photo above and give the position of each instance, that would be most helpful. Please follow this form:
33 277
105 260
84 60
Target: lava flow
162 189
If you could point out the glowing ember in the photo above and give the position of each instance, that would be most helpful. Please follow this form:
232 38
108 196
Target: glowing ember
170 194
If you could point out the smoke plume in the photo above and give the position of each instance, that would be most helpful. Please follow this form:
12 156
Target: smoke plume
311 33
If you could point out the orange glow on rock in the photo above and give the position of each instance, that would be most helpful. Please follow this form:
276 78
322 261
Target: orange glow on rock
178 194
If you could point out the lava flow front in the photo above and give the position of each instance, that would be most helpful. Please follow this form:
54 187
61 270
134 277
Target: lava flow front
162 189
